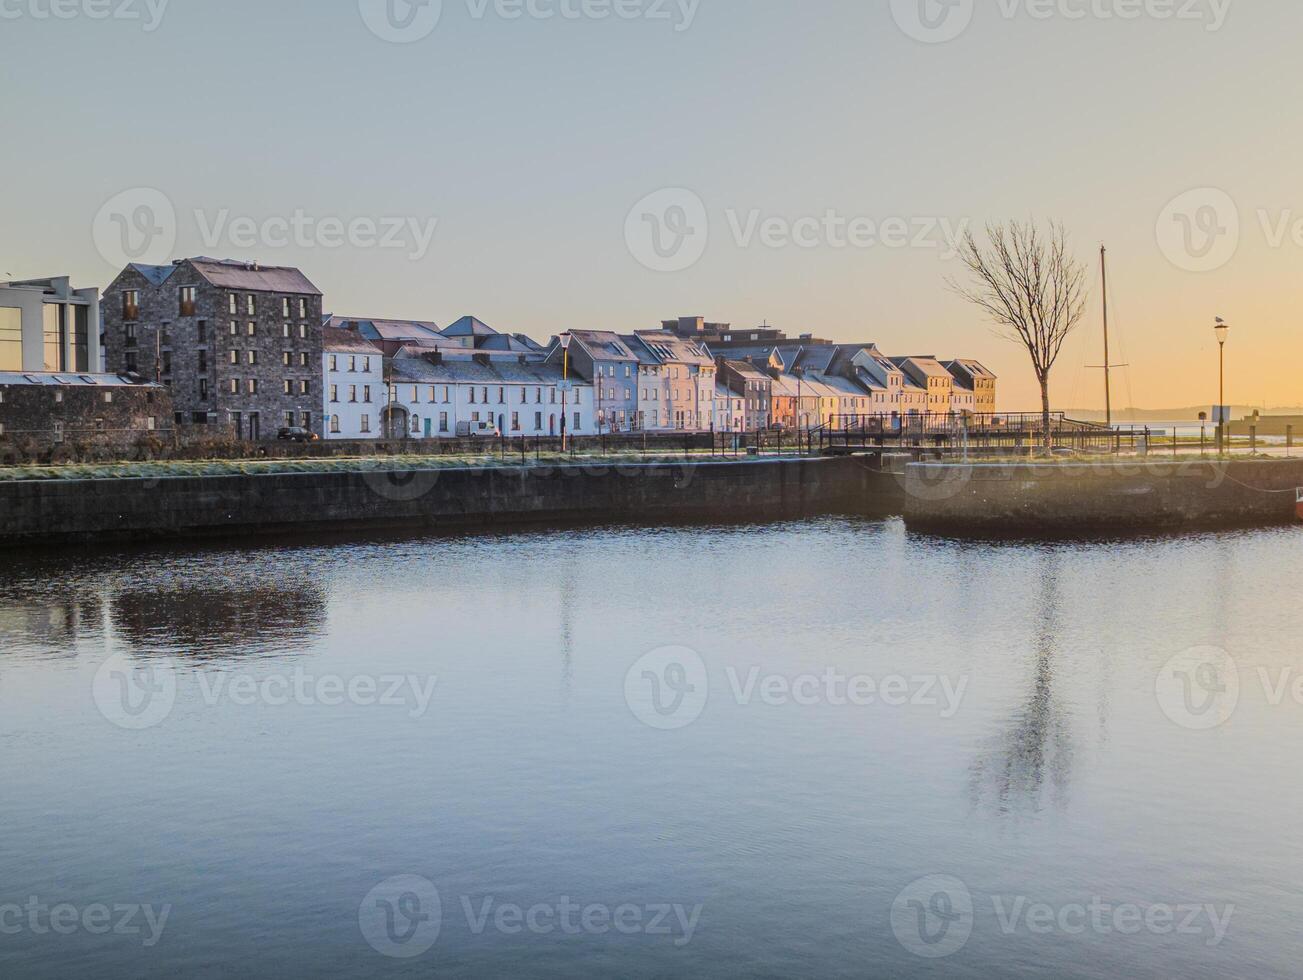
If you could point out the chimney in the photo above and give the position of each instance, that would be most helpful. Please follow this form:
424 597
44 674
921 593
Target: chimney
483 359
435 357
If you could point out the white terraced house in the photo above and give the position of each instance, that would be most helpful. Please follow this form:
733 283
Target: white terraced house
354 385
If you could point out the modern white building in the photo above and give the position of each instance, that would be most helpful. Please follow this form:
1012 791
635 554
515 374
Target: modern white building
353 386
48 326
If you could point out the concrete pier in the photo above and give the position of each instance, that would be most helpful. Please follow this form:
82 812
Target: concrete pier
86 511
1053 499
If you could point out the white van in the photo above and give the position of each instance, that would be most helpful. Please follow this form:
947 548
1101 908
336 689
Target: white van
475 430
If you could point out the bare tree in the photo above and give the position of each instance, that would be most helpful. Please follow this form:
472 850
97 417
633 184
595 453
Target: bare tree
1032 288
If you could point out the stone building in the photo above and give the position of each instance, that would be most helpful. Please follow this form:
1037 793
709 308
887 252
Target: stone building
39 412
237 343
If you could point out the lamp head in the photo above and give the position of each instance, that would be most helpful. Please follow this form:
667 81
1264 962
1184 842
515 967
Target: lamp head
565 341
1223 330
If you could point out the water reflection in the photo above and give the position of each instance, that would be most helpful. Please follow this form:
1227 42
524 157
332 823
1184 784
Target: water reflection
1030 765
206 623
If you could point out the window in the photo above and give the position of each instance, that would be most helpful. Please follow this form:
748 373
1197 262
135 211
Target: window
334 393
234 356
235 329
366 393
303 308
578 424
502 396
352 393
108 398
289 388
431 398
334 362
203 389
289 420
305 387
515 421
352 362
188 301
55 333
201 331
366 423
285 310
235 386
307 420
231 306
303 331
251 329
334 425
287 357
251 356
416 424
366 364
250 306
303 358
472 396
538 421
285 330
416 395
252 386
131 304
443 421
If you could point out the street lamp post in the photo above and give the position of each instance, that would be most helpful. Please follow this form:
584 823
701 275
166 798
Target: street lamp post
565 386
1222 330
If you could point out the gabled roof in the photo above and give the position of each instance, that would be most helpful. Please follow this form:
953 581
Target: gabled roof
230 274
156 274
469 326
506 342
667 348
603 345
336 341
747 370
966 371
395 330
924 364
410 367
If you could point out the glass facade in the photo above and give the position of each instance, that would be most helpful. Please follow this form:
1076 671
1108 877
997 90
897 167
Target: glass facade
55 332
11 339
81 339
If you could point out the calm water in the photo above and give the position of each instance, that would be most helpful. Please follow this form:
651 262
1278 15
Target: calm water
1049 803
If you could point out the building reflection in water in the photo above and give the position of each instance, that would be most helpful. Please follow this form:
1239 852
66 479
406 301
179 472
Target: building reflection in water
1030 765
206 623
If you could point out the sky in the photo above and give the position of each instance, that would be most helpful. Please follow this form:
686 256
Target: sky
607 164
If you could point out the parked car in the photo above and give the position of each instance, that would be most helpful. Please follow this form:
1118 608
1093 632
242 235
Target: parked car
474 430
296 434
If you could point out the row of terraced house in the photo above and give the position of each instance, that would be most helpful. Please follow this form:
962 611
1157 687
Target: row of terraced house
248 349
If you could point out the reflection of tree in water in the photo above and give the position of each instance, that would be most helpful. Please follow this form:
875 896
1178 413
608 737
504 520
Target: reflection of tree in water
206 622
1034 756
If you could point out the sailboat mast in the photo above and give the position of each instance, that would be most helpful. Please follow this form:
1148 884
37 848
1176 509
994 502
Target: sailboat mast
1108 381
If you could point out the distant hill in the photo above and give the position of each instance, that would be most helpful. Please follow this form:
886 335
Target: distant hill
1187 414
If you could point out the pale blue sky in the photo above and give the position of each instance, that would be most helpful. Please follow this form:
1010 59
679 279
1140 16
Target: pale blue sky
530 141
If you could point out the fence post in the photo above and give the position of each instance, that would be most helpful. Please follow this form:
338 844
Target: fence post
1289 440
1253 440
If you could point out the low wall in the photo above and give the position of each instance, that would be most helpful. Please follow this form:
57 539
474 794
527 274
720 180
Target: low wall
1064 499
84 511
